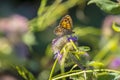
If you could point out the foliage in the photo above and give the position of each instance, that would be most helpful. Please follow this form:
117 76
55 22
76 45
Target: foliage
46 12
25 73
107 6
89 54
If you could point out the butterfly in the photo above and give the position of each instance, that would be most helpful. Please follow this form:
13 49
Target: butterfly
64 27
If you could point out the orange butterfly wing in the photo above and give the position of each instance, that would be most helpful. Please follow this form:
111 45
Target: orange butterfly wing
66 22
64 27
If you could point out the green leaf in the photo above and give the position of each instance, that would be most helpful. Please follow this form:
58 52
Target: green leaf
117 77
116 27
48 14
96 64
107 5
25 73
84 48
105 76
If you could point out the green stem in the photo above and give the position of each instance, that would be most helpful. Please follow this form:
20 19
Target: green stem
75 49
62 70
65 53
73 45
104 51
42 7
82 72
53 68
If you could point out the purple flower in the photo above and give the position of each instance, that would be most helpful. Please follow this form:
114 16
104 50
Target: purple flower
58 55
59 42
73 38
115 64
54 41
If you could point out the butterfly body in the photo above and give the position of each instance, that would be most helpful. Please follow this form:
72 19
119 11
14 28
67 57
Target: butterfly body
64 27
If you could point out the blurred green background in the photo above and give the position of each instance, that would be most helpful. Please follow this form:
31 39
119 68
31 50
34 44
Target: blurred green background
26 33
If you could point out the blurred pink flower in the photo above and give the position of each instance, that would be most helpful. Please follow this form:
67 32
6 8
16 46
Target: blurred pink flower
14 27
107 23
14 23
107 31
